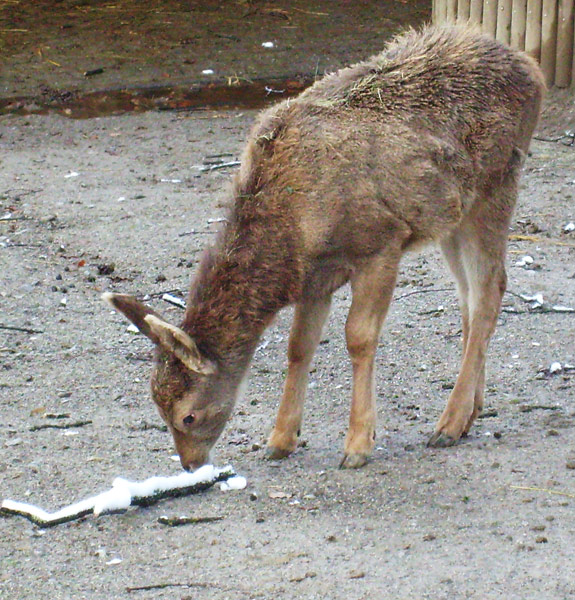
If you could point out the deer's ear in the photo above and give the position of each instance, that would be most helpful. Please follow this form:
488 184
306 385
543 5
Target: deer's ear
134 311
178 342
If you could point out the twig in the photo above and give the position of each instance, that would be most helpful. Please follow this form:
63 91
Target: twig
428 291
123 494
194 232
60 425
547 491
23 329
222 155
568 135
225 165
527 408
177 521
160 294
518 237
161 586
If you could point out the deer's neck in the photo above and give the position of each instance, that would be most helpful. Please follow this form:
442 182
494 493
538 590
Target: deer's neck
242 283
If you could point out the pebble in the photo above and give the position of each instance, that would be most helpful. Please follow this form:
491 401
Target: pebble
356 574
570 465
14 442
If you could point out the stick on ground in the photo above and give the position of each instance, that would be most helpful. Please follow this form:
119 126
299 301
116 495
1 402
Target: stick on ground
123 494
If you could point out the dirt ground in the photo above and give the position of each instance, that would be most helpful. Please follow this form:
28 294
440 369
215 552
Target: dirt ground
120 204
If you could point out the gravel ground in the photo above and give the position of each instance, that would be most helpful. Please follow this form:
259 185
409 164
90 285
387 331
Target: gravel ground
119 204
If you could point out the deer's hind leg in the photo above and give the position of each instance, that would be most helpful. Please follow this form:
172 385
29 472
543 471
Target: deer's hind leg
475 253
309 319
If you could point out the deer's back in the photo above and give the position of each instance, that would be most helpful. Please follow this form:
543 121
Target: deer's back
408 139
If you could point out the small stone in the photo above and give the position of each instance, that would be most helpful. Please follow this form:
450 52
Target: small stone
13 442
356 574
538 528
331 538
429 537
541 539
570 465
552 433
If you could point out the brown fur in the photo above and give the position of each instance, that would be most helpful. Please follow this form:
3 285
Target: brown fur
420 143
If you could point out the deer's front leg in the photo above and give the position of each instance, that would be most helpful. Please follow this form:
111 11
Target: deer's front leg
309 318
372 291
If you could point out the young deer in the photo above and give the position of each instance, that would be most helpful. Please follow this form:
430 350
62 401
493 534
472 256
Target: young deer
421 143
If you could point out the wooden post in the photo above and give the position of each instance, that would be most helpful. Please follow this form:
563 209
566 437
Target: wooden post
549 40
476 12
489 17
451 11
573 66
503 29
565 53
442 11
463 8
518 24
533 28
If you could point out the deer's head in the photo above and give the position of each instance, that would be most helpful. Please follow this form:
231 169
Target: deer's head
192 395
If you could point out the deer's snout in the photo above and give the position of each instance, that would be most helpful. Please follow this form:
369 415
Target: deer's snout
192 454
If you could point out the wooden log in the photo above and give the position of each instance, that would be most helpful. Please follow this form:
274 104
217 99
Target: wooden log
451 11
533 28
564 55
476 12
463 8
573 66
518 24
549 40
489 17
503 29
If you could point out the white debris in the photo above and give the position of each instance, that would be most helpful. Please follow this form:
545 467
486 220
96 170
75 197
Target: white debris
174 300
164 180
525 261
64 301
555 368
233 483
121 199
114 561
207 72
569 227
71 174
560 308
132 329
268 44
534 298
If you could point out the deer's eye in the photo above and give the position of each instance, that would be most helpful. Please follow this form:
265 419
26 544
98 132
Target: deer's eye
189 419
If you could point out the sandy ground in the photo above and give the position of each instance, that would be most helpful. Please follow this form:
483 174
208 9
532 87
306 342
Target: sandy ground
119 203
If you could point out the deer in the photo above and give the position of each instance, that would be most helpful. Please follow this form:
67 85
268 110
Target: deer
422 143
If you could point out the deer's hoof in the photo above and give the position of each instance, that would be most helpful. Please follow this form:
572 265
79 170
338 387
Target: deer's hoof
276 453
440 440
353 461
